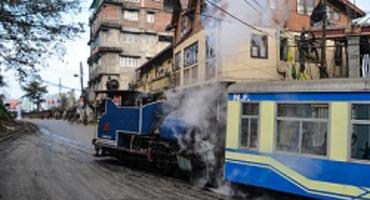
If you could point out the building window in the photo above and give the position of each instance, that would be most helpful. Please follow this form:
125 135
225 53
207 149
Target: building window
249 125
150 38
194 74
168 4
160 72
360 138
332 14
305 7
132 15
191 54
99 61
177 79
105 36
283 49
210 57
187 76
190 75
150 17
190 60
129 61
96 42
259 46
302 128
186 20
210 46
177 61
130 37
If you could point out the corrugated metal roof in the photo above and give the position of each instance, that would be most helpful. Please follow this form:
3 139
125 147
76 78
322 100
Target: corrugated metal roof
364 21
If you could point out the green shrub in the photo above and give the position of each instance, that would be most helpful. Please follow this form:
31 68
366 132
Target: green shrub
4 114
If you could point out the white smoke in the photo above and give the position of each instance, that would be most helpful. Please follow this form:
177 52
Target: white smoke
201 109
204 108
238 20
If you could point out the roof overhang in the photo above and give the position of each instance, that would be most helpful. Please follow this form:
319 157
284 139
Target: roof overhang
95 4
346 6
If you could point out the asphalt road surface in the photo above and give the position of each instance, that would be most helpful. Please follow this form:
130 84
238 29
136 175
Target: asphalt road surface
58 163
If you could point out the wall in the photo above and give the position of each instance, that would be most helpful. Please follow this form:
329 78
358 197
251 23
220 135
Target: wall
196 37
297 22
238 65
107 26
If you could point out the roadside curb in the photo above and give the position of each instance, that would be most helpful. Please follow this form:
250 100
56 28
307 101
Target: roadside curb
6 137
22 127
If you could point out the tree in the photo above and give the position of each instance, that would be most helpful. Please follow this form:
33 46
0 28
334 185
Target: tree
63 102
31 31
34 92
2 83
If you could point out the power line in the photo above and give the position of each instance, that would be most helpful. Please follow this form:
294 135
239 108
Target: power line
250 5
236 18
59 85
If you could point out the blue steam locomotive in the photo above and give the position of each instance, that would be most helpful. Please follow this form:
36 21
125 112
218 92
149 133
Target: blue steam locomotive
134 124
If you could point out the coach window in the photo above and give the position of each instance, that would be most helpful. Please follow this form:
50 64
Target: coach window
360 120
302 128
249 125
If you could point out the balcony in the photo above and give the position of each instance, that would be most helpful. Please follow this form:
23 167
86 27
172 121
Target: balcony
101 22
107 70
159 84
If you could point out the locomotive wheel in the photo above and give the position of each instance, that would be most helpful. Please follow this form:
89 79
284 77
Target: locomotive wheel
97 152
100 151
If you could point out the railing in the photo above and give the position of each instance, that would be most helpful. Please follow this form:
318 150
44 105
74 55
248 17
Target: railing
100 20
159 84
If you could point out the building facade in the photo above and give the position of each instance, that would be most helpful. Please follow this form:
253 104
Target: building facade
154 76
211 45
124 34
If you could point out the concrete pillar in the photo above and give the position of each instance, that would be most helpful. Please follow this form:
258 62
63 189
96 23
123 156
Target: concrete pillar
354 56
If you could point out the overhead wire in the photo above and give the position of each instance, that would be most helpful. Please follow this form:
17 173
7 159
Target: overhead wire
248 24
256 10
59 85
237 18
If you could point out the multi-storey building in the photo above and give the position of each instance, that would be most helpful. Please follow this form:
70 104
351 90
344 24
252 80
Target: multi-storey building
125 34
213 45
154 76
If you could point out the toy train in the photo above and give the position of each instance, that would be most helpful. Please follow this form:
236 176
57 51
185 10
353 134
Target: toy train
133 123
308 138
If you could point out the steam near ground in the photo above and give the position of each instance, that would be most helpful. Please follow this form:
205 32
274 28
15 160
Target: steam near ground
204 108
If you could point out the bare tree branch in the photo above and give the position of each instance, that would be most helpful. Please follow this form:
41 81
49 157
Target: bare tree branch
33 30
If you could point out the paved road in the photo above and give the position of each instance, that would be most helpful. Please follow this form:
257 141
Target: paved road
75 133
58 164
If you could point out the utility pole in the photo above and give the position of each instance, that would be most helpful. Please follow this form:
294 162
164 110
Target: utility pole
82 77
60 88
323 70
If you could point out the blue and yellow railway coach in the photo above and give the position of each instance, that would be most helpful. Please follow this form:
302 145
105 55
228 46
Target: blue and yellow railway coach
309 138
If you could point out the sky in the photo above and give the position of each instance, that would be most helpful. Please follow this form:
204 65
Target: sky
78 51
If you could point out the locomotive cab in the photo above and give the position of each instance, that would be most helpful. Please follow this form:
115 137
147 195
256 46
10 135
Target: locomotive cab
124 115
